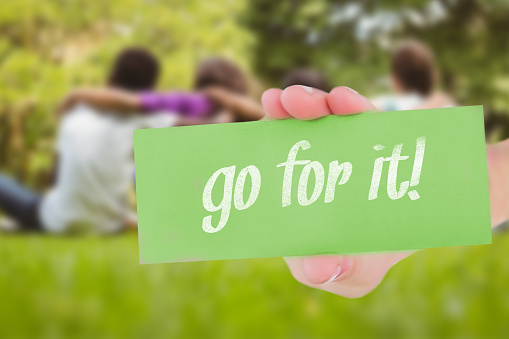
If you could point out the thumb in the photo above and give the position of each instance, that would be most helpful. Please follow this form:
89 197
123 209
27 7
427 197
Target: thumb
348 276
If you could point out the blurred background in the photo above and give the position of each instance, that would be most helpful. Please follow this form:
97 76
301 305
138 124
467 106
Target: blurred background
94 287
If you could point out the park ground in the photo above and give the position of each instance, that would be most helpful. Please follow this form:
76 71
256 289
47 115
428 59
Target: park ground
94 287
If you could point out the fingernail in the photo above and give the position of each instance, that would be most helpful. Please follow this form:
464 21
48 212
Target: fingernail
336 275
307 89
368 105
351 90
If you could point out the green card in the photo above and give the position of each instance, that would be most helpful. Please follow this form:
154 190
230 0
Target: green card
372 182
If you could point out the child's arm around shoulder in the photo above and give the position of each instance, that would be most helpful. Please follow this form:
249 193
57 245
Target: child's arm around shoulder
106 99
244 108
192 105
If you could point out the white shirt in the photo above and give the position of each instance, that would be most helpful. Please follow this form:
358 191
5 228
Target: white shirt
398 102
404 102
95 170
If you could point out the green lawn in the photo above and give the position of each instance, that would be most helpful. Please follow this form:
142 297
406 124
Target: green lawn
94 287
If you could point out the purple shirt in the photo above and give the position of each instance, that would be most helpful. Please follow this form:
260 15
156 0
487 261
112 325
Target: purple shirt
192 105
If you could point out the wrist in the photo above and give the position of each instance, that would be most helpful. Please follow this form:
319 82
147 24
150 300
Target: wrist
498 173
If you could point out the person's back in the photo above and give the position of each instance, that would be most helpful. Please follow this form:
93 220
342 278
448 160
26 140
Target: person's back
95 171
95 167
306 77
399 102
95 145
414 76
227 86
95 148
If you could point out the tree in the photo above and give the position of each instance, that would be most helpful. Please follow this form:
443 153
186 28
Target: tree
350 42
47 48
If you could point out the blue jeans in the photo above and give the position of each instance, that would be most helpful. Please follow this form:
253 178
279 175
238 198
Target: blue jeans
20 203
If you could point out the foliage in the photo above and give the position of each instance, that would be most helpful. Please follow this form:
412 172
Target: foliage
48 48
351 41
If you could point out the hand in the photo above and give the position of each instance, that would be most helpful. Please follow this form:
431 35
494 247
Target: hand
243 107
348 276
357 275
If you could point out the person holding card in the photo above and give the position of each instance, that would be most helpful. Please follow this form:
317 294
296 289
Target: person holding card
356 276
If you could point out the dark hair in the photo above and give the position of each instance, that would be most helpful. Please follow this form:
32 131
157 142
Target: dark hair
217 71
134 69
413 65
306 77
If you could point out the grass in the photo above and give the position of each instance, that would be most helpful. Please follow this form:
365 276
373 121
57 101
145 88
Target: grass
94 288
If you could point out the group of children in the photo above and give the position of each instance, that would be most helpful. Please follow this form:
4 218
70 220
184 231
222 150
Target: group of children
94 146
95 166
